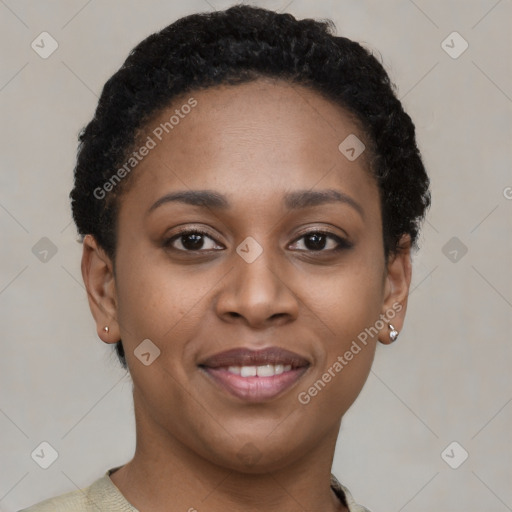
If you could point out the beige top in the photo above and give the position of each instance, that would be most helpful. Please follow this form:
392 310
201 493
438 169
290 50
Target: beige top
102 495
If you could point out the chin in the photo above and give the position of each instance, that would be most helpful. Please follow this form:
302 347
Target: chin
254 454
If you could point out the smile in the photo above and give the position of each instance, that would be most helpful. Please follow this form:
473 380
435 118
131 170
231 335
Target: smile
268 370
255 375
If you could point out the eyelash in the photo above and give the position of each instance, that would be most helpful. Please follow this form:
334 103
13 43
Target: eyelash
343 244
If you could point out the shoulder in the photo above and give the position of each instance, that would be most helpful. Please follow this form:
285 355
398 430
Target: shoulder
346 497
74 501
100 495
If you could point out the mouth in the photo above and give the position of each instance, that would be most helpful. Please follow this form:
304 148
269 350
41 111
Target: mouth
255 375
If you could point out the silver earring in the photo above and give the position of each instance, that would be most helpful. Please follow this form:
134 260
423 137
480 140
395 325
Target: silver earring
106 329
393 334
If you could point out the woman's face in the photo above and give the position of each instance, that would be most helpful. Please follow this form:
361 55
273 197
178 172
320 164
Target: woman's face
291 260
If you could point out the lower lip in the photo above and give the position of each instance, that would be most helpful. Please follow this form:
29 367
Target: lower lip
255 389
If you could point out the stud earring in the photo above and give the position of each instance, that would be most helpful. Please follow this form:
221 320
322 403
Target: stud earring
106 329
393 334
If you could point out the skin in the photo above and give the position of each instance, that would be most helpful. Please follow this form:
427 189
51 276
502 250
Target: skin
253 143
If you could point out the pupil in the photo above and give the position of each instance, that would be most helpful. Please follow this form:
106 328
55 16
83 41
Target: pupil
316 243
197 241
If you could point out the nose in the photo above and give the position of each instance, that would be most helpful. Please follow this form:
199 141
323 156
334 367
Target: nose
256 294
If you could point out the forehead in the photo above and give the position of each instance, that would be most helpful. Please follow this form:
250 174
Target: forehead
253 140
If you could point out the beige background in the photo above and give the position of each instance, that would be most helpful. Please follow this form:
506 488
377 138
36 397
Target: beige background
446 379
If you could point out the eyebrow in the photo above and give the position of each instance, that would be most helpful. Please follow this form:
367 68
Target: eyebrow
293 200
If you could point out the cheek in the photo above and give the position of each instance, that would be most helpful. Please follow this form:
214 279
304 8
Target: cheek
346 305
158 303
155 300
346 299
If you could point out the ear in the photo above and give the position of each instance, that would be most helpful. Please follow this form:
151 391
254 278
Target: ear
396 290
98 276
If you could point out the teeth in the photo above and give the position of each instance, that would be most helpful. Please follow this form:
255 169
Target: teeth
267 370
248 371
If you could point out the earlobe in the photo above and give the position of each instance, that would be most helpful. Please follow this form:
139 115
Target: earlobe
98 276
397 284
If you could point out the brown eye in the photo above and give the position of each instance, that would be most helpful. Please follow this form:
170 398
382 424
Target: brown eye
321 241
315 241
191 240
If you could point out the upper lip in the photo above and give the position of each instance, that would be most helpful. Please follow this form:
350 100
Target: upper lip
247 357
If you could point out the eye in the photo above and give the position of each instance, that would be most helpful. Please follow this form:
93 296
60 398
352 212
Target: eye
322 241
192 240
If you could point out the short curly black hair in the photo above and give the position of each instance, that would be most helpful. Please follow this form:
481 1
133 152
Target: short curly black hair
233 46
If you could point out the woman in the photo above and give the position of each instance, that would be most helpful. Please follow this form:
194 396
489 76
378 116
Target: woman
248 194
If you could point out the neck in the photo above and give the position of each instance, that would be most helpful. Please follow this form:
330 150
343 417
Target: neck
164 471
